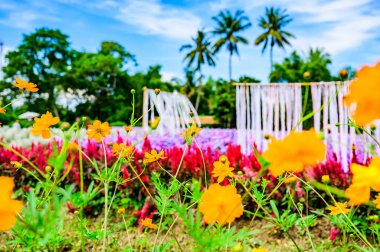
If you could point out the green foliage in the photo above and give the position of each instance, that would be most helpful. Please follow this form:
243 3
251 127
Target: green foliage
42 57
224 103
208 238
42 224
200 53
228 26
273 22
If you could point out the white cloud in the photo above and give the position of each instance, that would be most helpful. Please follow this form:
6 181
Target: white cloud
151 17
3 62
336 25
168 76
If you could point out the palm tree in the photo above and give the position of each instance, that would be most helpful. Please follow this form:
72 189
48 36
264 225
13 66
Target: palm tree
199 53
228 26
273 22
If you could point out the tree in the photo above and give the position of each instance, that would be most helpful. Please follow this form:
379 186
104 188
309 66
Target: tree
273 22
228 26
316 64
100 80
290 70
42 58
199 54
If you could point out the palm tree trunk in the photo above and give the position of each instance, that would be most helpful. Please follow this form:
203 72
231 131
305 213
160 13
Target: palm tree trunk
230 66
199 90
271 58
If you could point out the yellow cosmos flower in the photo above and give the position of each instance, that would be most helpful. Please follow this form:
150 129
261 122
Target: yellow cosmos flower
72 147
222 169
155 123
295 152
325 178
364 178
41 125
259 250
128 128
339 208
377 201
363 93
221 204
98 130
122 149
9 208
121 210
190 133
16 164
147 222
25 85
153 156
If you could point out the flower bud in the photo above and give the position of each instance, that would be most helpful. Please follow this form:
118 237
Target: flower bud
133 91
157 91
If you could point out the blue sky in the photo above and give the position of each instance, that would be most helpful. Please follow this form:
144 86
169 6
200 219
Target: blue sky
154 30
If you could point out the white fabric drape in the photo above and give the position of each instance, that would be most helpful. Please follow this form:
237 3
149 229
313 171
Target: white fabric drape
174 110
276 109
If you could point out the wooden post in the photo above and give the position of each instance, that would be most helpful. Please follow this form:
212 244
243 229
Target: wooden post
145 109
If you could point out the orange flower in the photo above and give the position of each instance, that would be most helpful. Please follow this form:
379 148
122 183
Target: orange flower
363 94
41 125
122 149
98 130
221 204
128 128
222 169
153 156
9 208
2 110
147 222
73 147
295 152
339 208
25 85
364 178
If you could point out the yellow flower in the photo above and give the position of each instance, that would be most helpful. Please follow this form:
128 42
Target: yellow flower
41 125
9 208
222 169
155 123
72 146
128 128
122 149
16 164
363 93
147 222
190 133
363 179
221 204
377 201
153 156
325 178
338 208
98 130
259 250
291 179
25 85
295 152
121 210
